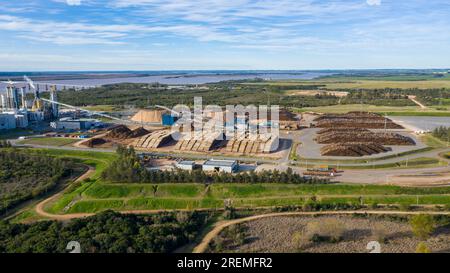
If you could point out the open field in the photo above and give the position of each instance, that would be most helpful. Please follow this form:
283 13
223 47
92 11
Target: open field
348 83
94 195
49 141
384 110
294 234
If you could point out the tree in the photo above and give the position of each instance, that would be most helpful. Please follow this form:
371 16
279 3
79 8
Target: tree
423 225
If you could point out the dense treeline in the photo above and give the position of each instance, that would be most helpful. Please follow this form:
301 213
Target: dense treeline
127 168
398 97
380 97
107 232
24 176
234 92
143 95
442 133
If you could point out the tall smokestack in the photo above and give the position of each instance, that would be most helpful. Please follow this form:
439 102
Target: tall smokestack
24 99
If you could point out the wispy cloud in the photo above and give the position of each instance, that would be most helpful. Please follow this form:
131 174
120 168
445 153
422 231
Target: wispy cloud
374 2
287 28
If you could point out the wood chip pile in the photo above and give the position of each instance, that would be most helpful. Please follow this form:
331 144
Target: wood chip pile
245 145
154 140
123 132
206 142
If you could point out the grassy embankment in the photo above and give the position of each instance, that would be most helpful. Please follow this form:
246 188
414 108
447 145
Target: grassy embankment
95 195
194 196
49 141
97 160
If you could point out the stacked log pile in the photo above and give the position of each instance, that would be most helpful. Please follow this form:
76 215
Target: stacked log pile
353 149
356 120
382 138
349 134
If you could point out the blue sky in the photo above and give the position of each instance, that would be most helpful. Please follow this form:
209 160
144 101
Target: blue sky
223 34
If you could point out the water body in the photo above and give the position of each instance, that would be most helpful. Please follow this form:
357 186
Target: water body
417 123
163 77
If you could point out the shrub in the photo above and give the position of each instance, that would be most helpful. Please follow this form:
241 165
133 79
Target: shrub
327 230
379 233
422 248
422 225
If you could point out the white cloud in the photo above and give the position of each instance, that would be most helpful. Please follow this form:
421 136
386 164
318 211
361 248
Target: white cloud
73 2
374 2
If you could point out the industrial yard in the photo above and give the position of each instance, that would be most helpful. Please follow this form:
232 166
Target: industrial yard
354 160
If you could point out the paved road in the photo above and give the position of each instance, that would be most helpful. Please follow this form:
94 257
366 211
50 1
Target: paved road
202 247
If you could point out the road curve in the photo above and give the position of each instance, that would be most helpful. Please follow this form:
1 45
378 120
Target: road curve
41 205
202 247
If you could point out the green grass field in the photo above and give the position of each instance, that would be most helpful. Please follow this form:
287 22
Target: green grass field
98 196
49 141
94 195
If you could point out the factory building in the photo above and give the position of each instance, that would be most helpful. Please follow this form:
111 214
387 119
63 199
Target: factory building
7 121
70 124
35 116
3 101
186 165
21 120
213 165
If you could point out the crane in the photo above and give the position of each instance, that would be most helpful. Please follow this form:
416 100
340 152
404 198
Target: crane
97 113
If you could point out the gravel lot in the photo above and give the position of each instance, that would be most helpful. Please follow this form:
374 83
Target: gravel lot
276 235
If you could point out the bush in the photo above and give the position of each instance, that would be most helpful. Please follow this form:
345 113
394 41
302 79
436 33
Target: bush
379 233
327 230
423 225
422 248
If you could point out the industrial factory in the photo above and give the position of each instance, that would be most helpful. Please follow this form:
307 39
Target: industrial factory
20 110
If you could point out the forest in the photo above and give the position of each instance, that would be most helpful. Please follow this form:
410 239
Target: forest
106 232
234 92
143 95
24 176
442 132
127 169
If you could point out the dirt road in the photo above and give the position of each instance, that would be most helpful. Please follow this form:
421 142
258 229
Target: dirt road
413 99
41 205
202 247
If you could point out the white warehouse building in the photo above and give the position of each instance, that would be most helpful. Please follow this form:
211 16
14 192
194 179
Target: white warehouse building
228 166
186 165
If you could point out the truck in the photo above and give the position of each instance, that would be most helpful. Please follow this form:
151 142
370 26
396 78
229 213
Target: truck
322 171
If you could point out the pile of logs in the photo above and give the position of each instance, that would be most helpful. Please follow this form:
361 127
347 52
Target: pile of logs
353 149
356 120
382 138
